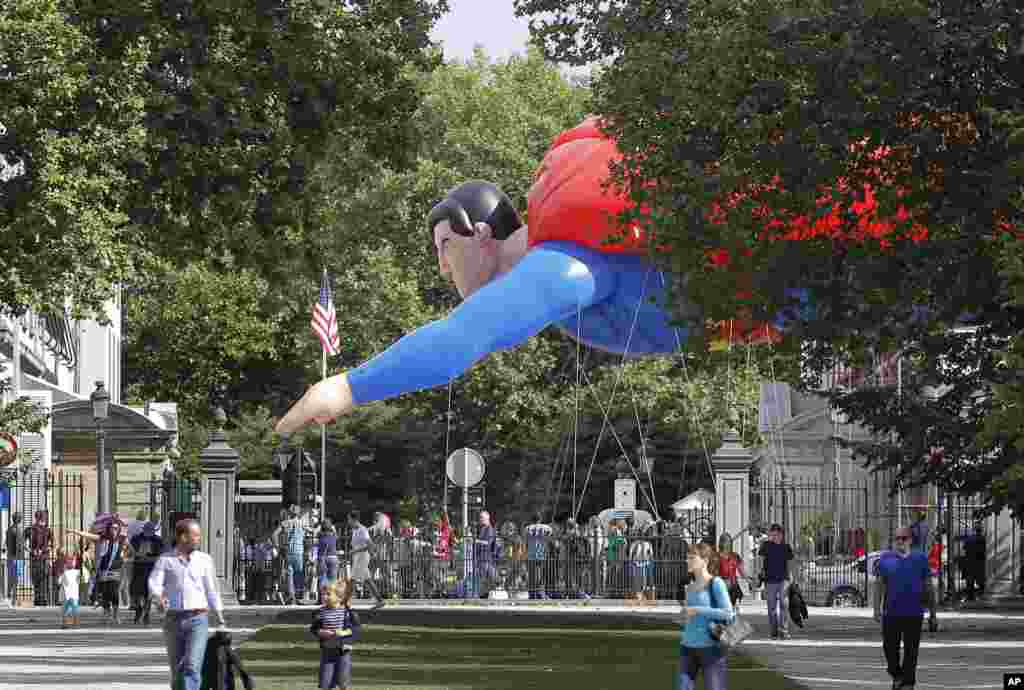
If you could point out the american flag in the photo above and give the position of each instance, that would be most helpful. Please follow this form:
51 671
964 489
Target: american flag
325 320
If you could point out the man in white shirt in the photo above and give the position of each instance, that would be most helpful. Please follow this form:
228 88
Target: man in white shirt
184 582
360 552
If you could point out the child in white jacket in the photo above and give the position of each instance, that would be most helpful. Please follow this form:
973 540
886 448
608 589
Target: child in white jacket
69 586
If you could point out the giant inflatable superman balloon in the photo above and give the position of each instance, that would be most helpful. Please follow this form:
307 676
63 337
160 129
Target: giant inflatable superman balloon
517 280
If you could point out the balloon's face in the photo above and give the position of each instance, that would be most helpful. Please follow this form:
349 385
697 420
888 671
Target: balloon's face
469 262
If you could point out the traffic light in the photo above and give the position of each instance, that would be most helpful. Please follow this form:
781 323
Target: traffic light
287 470
298 477
306 477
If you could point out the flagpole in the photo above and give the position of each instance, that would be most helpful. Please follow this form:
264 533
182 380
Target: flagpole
325 325
323 448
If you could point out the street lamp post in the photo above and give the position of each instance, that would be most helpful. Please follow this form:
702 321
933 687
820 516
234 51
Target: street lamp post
100 410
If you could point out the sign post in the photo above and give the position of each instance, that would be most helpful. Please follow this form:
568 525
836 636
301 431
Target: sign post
625 494
465 468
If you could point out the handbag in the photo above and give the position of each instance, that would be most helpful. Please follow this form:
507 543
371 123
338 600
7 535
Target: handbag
728 635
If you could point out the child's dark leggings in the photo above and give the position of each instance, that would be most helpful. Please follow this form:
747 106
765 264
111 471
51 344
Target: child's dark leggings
335 669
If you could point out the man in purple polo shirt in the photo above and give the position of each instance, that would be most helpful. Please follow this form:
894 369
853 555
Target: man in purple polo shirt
904 581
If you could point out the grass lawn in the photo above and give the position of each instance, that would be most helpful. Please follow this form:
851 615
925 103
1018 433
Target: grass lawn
285 657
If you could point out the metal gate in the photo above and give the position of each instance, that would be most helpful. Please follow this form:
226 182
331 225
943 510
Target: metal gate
832 533
166 500
30 575
983 554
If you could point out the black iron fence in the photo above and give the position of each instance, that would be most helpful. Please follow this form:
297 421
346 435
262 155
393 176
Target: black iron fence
32 550
630 566
832 531
33 556
838 531
165 500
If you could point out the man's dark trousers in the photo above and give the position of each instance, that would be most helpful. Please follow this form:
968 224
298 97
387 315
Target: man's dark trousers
908 630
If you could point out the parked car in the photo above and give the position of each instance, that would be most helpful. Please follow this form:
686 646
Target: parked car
838 581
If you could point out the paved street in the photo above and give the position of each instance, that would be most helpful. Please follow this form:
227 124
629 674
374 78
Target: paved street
35 654
833 652
840 648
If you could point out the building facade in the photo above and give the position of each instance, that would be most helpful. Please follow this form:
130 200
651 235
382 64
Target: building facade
827 499
56 362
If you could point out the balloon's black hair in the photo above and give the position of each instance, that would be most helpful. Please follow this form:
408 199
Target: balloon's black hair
476 202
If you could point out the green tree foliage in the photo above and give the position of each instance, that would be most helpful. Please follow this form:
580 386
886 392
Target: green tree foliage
22 415
708 99
929 428
71 119
193 331
661 410
1004 427
175 131
250 434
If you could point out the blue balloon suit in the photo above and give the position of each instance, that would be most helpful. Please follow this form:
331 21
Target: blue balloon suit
607 301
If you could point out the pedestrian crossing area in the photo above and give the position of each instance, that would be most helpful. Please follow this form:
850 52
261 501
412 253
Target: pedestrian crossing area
84 658
36 654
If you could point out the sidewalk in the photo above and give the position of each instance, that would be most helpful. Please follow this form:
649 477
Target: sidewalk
1008 603
984 610
661 609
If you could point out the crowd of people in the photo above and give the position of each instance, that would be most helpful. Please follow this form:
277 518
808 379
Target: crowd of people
119 564
538 560
111 563
560 559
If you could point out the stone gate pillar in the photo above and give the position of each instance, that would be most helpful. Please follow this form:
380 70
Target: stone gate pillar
732 492
219 463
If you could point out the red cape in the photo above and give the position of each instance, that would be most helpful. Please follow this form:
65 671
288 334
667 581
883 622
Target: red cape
569 200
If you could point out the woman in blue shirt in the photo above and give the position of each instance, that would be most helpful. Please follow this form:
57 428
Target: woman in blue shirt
327 551
707 602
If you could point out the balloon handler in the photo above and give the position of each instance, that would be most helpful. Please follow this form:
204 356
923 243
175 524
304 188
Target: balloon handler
572 268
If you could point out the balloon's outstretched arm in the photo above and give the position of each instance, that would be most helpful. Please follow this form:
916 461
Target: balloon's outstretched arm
544 287
547 285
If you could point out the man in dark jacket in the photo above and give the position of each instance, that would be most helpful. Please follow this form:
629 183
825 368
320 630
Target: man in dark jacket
974 563
776 555
14 540
40 538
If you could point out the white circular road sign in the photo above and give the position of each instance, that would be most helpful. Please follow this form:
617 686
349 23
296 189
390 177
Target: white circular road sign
465 468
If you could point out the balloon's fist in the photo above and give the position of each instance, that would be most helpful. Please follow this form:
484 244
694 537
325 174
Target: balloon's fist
321 404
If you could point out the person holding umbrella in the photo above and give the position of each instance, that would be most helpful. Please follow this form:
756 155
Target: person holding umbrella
112 548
